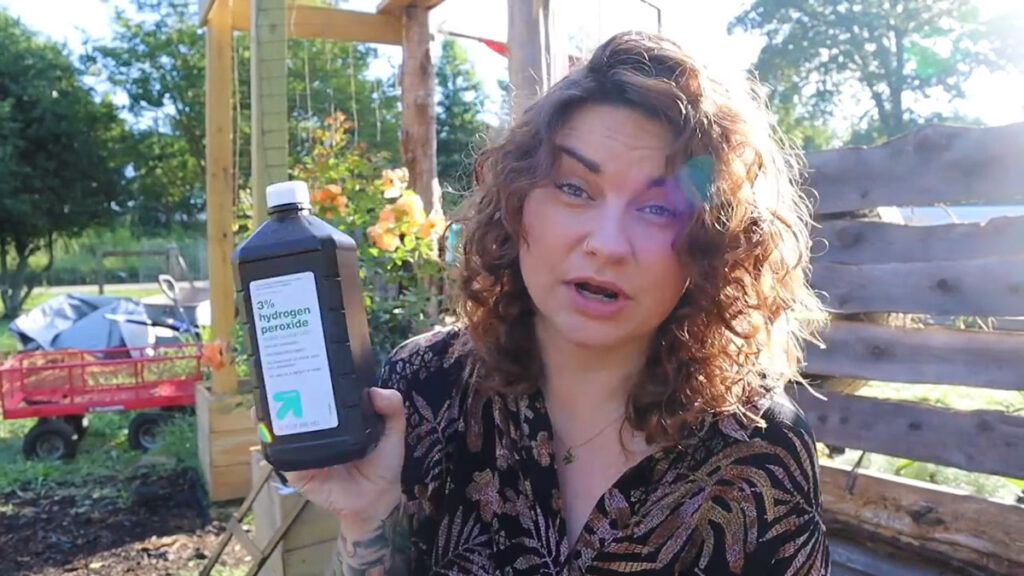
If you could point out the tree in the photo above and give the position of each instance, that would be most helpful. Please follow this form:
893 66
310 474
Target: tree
820 54
326 77
60 157
157 61
461 101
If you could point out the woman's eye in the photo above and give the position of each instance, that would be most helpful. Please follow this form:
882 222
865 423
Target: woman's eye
573 190
660 211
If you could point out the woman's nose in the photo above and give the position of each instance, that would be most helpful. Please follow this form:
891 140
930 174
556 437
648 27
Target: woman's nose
608 237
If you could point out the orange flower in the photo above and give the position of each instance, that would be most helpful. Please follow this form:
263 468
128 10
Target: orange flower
410 206
394 182
214 355
319 197
431 226
341 202
383 238
387 216
328 197
336 118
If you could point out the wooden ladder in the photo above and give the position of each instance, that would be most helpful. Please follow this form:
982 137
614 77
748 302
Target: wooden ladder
234 528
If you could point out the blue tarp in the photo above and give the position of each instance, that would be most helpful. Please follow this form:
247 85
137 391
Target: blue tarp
80 321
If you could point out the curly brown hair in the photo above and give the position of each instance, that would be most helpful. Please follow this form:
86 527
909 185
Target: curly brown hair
737 333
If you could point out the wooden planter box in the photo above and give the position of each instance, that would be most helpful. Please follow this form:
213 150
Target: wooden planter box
225 434
308 546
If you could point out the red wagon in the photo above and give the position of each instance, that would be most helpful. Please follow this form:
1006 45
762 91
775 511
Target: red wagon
61 387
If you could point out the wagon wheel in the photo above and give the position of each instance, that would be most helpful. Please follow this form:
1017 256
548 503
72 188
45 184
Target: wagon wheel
144 430
50 439
80 423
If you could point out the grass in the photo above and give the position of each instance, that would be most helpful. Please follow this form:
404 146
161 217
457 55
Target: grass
956 397
104 448
103 451
9 344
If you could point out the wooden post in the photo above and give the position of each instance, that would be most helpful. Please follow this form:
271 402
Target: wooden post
219 182
529 67
269 79
101 272
419 139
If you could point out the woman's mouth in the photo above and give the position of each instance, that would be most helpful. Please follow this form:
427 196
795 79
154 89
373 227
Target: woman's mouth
597 298
596 292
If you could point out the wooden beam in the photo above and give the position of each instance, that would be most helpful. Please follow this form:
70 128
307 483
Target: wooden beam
220 183
269 88
856 555
528 51
869 351
926 519
305 21
932 165
993 287
204 11
987 441
395 7
875 242
419 133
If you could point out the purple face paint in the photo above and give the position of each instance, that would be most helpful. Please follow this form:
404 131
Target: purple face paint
689 189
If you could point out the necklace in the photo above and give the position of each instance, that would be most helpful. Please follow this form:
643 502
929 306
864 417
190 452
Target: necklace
569 457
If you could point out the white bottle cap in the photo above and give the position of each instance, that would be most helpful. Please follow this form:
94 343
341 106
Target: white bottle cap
290 192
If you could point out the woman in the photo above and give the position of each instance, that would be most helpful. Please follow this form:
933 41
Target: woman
634 300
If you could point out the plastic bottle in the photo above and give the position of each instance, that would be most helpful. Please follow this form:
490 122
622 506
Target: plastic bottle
311 358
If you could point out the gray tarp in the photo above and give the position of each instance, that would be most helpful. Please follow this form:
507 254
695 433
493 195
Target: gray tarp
80 321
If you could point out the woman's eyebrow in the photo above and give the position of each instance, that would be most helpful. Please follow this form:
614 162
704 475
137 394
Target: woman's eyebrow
587 163
656 182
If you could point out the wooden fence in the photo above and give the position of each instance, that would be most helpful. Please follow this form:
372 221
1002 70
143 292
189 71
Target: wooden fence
949 270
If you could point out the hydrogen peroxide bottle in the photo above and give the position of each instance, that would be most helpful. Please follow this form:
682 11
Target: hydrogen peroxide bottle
311 358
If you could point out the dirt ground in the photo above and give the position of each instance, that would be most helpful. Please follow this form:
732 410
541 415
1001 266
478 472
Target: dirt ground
150 523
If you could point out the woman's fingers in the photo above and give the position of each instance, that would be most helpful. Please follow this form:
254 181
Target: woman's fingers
388 403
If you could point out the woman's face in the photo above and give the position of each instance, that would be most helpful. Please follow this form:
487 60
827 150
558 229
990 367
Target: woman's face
598 253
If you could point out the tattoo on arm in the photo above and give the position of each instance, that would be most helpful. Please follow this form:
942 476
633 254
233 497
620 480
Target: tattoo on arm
383 552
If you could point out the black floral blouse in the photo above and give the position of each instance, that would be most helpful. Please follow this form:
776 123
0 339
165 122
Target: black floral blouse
482 489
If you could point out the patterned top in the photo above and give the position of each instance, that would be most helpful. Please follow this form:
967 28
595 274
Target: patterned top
482 488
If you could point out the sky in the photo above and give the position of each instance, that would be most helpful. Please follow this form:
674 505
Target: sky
700 25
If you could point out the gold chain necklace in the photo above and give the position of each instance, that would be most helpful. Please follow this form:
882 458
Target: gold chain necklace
569 457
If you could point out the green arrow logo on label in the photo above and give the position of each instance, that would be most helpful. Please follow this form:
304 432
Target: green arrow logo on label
290 401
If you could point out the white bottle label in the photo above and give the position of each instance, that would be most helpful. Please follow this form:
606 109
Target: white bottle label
293 354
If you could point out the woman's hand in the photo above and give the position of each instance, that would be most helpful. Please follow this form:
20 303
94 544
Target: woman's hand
365 491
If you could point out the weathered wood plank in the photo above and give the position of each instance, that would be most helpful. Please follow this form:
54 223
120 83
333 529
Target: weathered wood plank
985 441
419 133
927 519
919 355
220 182
875 242
396 6
268 77
203 429
932 165
266 514
310 560
307 21
973 288
529 49
204 10
229 482
859 557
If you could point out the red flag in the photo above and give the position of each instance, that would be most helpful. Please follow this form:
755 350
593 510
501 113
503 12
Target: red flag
499 47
